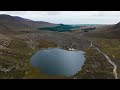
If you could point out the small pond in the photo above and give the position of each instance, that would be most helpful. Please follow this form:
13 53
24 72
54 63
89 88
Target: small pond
56 61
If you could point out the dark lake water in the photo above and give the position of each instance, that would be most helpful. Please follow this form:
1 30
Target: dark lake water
56 61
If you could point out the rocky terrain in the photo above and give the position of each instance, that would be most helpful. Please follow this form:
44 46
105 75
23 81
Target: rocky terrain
19 40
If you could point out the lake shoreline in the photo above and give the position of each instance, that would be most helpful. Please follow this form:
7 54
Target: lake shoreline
66 60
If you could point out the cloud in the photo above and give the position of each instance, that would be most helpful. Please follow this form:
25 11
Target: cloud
13 12
69 17
53 12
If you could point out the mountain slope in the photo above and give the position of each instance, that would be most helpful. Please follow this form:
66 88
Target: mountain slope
8 22
36 24
107 31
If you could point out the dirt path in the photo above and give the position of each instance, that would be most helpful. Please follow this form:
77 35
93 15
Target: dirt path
109 60
105 55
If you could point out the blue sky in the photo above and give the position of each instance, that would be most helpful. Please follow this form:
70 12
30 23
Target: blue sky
70 17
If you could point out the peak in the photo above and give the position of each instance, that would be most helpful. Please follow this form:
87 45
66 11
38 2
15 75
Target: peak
5 15
117 25
9 17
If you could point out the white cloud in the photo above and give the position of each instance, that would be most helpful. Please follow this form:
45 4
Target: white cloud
69 17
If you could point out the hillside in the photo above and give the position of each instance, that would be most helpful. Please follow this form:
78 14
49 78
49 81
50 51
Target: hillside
17 46
8 22
107 31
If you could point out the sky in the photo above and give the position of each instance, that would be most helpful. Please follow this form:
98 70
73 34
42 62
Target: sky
69 17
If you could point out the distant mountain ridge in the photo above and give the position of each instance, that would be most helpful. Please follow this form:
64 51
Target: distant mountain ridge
18 23
117 25
109 31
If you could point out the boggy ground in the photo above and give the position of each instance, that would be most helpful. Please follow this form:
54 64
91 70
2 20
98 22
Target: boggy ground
17 48
96 65
15 60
